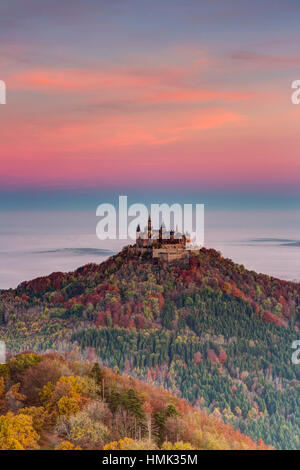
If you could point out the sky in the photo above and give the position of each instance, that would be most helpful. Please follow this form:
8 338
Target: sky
171 100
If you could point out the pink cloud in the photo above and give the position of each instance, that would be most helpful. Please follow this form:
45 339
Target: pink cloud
138 87
78 80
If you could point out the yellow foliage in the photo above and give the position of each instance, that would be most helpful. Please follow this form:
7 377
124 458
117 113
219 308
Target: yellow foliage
122 444
143 444
4 370
23 361
67 445
17 432
177 446
130 444
38 416
70 383
211 440
89 387
82 427
67 406
46 393
65 397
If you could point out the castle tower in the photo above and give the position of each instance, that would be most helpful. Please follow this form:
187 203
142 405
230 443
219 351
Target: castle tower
172 235
149 228
160 234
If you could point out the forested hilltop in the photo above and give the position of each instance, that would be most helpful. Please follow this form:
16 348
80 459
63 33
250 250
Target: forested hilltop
211 331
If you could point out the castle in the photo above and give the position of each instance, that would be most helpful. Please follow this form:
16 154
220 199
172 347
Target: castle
167 246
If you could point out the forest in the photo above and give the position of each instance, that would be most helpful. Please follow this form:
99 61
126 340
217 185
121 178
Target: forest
210 332
57 403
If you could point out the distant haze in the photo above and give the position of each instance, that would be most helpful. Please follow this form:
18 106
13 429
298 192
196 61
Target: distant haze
38 243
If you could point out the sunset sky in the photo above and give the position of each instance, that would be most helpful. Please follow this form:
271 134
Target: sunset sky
179 99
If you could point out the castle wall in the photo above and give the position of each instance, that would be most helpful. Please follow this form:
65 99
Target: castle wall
170 254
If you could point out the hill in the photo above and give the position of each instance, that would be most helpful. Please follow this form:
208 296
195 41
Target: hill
48 402
211 331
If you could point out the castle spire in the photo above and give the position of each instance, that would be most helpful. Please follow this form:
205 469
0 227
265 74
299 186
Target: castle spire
138 232
160 233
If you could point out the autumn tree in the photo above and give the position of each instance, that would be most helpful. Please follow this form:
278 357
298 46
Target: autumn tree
17 432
